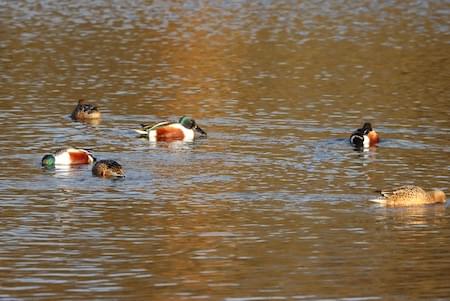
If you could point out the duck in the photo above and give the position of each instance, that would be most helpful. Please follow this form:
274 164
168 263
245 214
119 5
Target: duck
68 156
186 129
85 111
364 137
108 169
409 195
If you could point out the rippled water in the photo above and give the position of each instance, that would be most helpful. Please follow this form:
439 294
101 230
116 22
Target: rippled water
273 204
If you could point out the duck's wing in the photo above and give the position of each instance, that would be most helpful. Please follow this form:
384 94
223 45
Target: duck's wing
400 191
150 126
61 150
147 127
385 194
357 138
115 168
71 149
113 165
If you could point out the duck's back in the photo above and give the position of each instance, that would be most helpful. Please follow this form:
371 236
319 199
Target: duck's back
406 196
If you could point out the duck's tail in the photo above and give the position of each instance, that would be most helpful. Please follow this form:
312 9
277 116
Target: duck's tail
141 132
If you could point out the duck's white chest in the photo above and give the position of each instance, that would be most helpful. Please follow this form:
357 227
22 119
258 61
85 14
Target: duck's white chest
366 142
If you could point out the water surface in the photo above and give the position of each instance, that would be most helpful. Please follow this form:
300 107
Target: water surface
273 205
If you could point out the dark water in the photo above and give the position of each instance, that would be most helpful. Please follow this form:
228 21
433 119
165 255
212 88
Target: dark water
273 204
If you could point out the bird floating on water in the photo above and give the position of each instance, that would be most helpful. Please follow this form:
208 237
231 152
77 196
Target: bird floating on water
410 196
108 169
68 156
85 111
186 129
364 137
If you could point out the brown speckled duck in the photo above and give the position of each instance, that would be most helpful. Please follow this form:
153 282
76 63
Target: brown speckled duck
410 196
108 169
85 111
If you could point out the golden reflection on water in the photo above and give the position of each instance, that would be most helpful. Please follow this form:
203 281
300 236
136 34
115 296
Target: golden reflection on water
273 204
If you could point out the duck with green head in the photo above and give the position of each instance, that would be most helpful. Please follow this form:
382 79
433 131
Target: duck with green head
186 129
68 156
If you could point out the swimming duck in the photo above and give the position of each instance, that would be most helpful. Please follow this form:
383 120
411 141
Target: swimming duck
185 129
364 137
68 156
85 111
410 196
108 169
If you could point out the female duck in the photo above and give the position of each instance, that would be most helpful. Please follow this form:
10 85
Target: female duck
186 129
364 137
410 196
68 156
85 111
108 169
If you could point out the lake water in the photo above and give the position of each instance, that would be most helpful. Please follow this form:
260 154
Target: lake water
273 205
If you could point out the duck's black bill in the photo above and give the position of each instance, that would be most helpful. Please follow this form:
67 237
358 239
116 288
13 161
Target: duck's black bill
202 132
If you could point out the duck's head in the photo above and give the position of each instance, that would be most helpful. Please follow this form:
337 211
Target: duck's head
48 161
190 123
367 127
438 196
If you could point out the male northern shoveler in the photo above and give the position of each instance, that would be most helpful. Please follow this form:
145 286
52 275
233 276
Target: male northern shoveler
85 111
185 129
364 137
410 196
108 169
68 156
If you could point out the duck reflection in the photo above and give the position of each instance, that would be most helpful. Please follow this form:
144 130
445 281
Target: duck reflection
416 215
